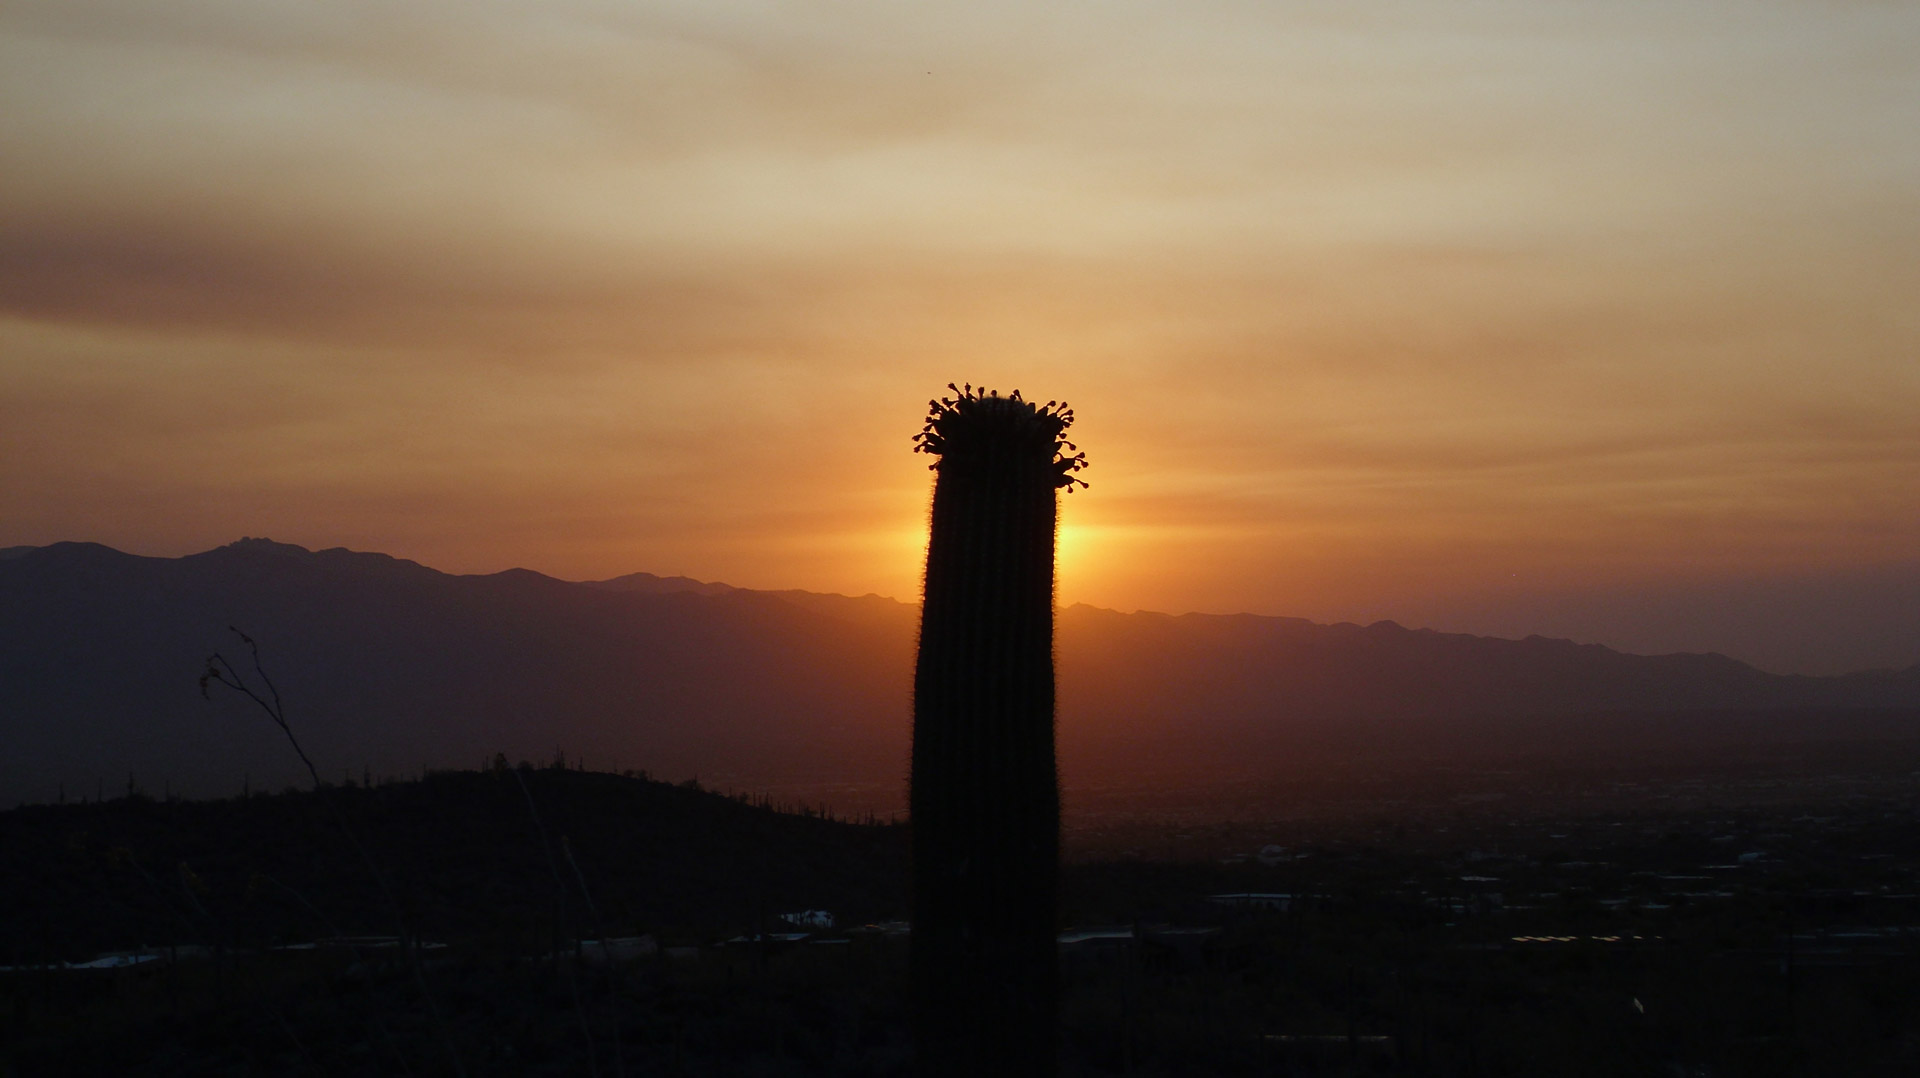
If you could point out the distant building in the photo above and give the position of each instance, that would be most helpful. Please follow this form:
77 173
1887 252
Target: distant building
617 949
1249 900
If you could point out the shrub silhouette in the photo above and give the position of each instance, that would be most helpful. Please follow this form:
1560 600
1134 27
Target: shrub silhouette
985 796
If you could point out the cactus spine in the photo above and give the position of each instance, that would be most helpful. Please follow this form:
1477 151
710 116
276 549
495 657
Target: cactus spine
985 796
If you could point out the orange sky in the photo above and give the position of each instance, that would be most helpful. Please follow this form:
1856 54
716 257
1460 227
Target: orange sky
1589 319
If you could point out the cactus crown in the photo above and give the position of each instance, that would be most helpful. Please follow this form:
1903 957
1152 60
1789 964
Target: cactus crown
980 427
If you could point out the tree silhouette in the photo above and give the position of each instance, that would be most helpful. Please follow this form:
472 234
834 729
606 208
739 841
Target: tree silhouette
985 795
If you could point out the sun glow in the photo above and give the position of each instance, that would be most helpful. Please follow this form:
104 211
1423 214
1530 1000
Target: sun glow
1076 560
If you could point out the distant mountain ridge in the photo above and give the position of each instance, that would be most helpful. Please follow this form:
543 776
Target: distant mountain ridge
390 665
657 585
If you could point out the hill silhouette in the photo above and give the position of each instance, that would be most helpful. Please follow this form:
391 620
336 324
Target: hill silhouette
462 850
389 667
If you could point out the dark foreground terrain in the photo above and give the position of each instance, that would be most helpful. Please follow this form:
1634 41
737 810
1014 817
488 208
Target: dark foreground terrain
1738 917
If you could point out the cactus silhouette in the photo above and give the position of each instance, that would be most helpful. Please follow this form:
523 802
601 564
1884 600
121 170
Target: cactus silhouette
985 796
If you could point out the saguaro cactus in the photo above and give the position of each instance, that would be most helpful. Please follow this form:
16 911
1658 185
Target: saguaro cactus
985 796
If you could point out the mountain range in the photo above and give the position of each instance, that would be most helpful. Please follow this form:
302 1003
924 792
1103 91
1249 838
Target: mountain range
387 667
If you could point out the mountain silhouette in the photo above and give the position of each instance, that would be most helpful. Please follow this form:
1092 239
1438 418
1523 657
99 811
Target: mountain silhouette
390 666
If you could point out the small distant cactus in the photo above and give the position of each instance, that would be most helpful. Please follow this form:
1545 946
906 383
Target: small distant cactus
985 795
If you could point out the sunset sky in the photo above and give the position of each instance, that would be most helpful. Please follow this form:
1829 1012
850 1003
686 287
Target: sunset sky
1597 320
